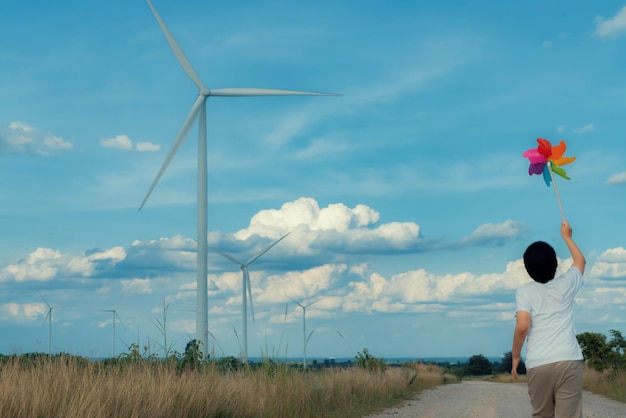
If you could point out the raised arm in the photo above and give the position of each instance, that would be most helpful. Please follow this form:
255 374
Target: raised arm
577 255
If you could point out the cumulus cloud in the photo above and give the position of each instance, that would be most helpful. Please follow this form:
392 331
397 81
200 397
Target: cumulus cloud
123 142
333 228
585 129
21 138
117 142
405 291
491 233
41 265
300 284
147 146
613 27
137 287
619 178
21 312
611 264
45 264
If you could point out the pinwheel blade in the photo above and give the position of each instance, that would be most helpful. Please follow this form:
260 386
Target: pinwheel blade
253 92
544 148
546 175
559 171
534 156
180 55
563 160
180 138
536 168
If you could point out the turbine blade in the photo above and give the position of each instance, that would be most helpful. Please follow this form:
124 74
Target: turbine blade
44 299
180 138
315 301
180 55
310 335
231 258
252 92
253 259
120 319
297 303
47 315
249 286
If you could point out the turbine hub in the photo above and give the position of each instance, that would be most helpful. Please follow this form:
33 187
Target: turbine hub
205 92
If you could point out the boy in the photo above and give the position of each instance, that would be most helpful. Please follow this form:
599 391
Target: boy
544 308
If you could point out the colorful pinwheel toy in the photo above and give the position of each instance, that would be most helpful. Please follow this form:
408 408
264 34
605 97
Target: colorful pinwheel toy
547 159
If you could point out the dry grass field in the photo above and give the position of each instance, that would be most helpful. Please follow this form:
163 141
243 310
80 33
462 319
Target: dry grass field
71 387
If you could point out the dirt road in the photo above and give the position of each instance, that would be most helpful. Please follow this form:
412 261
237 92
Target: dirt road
473 399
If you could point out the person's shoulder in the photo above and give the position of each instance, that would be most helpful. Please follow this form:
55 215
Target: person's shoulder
572 273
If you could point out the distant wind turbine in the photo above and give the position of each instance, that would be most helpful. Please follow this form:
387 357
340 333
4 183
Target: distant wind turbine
198 111
246 286
304 336
115 315
49 318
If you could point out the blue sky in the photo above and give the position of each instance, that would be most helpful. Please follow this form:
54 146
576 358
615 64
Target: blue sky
407 198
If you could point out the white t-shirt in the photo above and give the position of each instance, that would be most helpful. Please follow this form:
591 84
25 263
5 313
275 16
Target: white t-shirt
551 336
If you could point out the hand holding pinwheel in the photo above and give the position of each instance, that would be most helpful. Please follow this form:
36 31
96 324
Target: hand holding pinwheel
547 159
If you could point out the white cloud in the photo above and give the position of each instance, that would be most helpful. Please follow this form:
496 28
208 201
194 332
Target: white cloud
86 265
117 142
137 287
560 128
21 138
147 147
405 290
619 178
610 264
298 284
22 312
40 265
613 27
123 142
547 44
333 228
585 129
614 255
45 264
493 233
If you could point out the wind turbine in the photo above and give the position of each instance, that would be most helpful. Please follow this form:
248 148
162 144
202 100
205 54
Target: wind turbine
115 315
198 111
246 286
49 318
305 338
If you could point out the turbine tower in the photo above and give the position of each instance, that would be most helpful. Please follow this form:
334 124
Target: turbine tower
49 318
246 286
198 111
304 337
115 315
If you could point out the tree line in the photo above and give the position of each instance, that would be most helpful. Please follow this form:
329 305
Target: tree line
600 351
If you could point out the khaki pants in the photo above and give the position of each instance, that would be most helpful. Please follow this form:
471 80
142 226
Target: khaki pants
555 389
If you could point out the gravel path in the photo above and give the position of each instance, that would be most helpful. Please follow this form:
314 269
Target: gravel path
473 399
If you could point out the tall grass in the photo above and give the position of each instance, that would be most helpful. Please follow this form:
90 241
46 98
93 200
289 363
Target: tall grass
70 387
610 383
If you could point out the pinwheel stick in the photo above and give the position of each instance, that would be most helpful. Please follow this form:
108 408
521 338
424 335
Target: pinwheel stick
556 191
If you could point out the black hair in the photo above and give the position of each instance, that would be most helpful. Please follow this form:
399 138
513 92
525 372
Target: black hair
540 261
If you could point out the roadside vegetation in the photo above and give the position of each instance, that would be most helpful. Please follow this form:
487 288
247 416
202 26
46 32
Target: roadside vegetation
135 385
139 384
605 365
